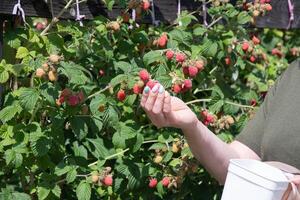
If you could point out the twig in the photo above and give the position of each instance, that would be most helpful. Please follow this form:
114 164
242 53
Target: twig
197 100
227 102
214 22
99 92
239 105
56 18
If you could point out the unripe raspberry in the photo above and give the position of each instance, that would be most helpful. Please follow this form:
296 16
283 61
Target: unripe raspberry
175 148
165 181
162 40
73 100
144 75
40 73
145 5
121 95
255 40
170 54
80 96
256 13
52 76
45 67
188 83
108 180
176 88
54 58
180 57
227 61
39 26
95 178
245 46
140 83
152 182
158 159
114 26
252 59
136 89
199 64
230 120
58 102
193 71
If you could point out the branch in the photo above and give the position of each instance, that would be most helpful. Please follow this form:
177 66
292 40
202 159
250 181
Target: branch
56 18
197 100
239 105
214 22
99 92
228 102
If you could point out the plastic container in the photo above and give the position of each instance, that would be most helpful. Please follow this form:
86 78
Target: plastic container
252 179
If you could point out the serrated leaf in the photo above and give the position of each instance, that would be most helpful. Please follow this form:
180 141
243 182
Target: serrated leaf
118 79
22 52
243 17
124 66
56 191
9 112
152 57
199 31
100 151
157 146
28 98
96 102
168 156
79 127
83 191
43 192
4 76
21 196
216 105
71 175
41 146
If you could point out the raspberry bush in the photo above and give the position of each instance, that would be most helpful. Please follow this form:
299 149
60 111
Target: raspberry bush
72 126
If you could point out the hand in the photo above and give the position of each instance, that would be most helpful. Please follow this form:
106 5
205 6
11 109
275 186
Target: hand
165 110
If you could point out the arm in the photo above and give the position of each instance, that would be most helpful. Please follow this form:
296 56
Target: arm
214 154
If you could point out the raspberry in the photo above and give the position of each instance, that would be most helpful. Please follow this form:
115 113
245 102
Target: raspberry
193 71
66 92
108 180
204 113
152 182
245 46
162 40
199 64
268 7
253 102
136 89
158 159
121 95
126 17
40 73
52 76
144 75
255 40
185 70
176 88
61 99
262 1
95 178
151 83
73 100
180 57
188 83
54 58
210 118
101 72
165 181
80 96
140 83
227 61
85 109
277 52
114 25
45 67
252 59
145 5
170 54
39 26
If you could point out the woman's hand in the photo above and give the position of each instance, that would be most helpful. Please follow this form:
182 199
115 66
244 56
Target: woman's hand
165 110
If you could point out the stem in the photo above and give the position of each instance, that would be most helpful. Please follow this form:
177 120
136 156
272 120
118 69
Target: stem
239 105
214 22
56 18
99 92
197 100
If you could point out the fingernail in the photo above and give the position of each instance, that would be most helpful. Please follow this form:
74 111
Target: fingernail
161 89
146 89
155 88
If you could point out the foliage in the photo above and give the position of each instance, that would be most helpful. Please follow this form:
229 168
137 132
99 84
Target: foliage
55 148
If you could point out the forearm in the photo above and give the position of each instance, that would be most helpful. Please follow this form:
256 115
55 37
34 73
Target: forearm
212 152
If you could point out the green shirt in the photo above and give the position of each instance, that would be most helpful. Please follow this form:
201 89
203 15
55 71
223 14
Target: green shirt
274 132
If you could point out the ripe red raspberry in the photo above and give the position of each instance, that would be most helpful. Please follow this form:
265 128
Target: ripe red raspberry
188 84
199 64
162 40
253 102
144 75
61 99
176 88
152 182
252 59
262 1
170 54
245 46
39 26
185 70
73 100
136 89
66 92
204 113
165 181
108 180
210 118
227 61
268 7
277 52
80 97
121 95
101 72
145 5
255 40
193 71
180 57
151 83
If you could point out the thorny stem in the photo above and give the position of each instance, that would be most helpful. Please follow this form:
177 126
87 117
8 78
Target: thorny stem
99 92
227 102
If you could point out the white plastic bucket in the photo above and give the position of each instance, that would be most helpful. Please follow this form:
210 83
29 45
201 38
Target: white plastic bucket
253 180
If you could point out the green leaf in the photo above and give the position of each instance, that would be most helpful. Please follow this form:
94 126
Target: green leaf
21 196
56 191
71 175
152 57
118 79
4 76
83 191
41 146
43 192
28 98
96 102
9 112
124 66
22 52
79 127
100 151
11 156
243 17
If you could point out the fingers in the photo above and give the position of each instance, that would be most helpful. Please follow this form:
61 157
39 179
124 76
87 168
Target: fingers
145 96
158 104
151 98
167 103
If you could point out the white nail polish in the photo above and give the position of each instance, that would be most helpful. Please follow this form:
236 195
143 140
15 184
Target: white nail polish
155 88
